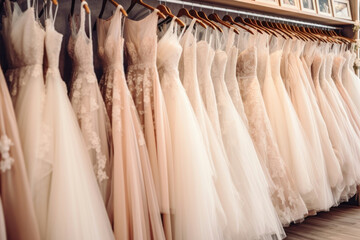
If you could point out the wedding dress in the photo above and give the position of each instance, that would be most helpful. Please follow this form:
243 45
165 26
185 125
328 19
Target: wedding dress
24 40
338 138
76 209
351 81
230 74
332 163
258 218
133 207
20 218
89 105
144 86
193 195
287 128
286 199
302 105
350 167
228 212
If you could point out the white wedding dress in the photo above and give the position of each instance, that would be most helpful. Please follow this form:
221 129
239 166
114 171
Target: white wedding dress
88 104
300 99
287 128
258 218
76 209
193 197
284 194
351 81
230 204
24 41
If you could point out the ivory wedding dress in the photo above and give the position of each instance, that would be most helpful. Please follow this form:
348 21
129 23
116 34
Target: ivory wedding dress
16 200
89 105
351 81
193 197
24 40
132 178
76 209
302 105
258 218
351 166
332 163
228 212
285 197
287 128
338 139
144 86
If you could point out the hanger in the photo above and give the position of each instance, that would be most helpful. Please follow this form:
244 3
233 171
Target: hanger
239 19
167 12
284 34
185 12
55 2
254 23
195 14
229 19
141 2
113 3
204 16
273 32
86 7
214 17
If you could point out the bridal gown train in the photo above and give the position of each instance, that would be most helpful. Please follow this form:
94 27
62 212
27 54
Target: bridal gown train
16 200
193 205
132 177
24 40
285 197
143 81
287 128
89 105
258 217
302 105
228 212
76 209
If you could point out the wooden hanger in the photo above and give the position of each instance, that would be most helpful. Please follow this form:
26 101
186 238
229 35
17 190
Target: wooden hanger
284 34
239 19
113 3
86 7
251 22
229 19
55 2
214 17
204 16
195 14
141 2
185 12
167 12
273 32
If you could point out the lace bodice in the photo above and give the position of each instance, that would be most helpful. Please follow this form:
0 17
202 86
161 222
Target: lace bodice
141 40
110 41
52 44
218 66
247 63
80 45
24 37
169 51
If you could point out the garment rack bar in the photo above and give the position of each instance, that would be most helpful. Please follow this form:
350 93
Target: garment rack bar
253 14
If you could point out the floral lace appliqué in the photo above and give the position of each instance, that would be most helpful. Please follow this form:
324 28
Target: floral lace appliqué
6 160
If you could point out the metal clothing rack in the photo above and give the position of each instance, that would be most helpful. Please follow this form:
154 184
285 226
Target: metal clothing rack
252 14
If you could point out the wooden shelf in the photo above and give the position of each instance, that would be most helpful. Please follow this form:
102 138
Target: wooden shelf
283 11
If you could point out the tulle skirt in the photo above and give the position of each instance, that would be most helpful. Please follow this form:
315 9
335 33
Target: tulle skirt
75 209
